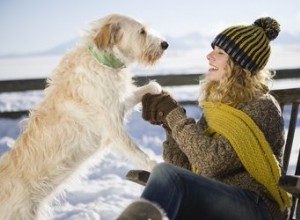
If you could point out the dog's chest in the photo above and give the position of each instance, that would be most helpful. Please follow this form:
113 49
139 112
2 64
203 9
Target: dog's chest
117 84
111 91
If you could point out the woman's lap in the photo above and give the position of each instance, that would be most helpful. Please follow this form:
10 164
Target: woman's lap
185 195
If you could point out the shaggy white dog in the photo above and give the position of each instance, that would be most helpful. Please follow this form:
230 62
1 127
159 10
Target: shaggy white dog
83 113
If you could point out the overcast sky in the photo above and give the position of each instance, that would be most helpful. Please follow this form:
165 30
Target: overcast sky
36 25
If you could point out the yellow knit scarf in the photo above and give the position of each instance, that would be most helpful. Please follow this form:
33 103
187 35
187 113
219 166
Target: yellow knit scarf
250 145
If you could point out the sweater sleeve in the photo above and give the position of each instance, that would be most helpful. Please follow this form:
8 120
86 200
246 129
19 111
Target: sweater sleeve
213 157
173 154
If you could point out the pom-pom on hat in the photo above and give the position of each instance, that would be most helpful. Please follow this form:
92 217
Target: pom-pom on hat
249 46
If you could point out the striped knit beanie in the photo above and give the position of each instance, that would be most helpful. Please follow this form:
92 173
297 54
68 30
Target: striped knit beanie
249 46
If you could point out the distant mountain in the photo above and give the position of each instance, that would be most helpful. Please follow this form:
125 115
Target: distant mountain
176 43
191 40
186 42
61 49
58 50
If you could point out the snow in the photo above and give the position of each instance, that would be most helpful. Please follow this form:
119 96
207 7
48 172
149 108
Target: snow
102 192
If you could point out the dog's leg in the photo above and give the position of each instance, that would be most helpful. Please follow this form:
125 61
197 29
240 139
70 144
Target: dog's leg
152 87
130 150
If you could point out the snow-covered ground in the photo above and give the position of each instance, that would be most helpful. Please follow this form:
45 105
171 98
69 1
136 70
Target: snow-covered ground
103 190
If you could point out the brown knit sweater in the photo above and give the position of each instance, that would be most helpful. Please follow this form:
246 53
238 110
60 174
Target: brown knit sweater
215 158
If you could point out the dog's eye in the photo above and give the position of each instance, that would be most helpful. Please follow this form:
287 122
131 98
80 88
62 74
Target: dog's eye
142 31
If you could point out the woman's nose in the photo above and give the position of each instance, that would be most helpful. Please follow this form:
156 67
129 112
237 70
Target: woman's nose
209 56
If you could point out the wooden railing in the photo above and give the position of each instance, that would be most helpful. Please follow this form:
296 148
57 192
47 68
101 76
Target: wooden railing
165 80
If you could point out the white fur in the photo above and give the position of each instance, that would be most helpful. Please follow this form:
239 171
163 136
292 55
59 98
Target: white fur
82 114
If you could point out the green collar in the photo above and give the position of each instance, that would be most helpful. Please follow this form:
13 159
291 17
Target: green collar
105 57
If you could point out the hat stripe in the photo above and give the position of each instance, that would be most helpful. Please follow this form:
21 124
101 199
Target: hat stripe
241 46
259 43
248 46
237 35
264 57
234 38
252 47
247 31
262 51
251 40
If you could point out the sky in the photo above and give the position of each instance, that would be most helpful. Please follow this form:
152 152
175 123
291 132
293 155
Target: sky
36 25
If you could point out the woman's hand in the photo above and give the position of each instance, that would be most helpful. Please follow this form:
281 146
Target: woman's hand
157 107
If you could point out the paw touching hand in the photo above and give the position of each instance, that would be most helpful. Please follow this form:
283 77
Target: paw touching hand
156 107
154 87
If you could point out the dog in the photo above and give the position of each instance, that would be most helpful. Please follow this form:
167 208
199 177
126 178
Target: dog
86 102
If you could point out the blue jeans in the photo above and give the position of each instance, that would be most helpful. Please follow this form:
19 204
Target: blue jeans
187 196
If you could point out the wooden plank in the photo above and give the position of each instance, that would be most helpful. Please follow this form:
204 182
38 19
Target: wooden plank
14 115
171 80
290 137
19 114
287 73
282 95
164 80
287 96
22 85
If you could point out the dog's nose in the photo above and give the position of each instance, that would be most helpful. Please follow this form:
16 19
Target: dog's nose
164 45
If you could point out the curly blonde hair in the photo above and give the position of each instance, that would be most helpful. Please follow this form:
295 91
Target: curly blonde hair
236 86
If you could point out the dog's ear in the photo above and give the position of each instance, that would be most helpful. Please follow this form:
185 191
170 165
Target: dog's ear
109 35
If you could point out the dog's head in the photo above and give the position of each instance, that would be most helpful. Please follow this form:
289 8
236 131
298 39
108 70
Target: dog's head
128 39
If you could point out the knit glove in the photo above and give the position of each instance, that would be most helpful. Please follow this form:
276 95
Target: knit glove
157 107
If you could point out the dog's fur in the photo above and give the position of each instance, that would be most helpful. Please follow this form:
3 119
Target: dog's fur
83 113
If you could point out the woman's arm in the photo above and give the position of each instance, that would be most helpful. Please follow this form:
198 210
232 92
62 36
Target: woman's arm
212 156
173 154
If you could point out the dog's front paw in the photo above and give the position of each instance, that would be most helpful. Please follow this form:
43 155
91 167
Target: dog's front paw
154 87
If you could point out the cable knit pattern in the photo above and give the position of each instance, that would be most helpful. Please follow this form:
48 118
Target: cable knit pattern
174 154
216 158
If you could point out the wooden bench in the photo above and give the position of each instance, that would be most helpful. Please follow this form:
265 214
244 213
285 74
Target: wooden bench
291 183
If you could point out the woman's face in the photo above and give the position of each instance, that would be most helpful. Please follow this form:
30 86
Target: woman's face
218 61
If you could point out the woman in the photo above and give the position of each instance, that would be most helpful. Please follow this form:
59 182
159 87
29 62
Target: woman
226 165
